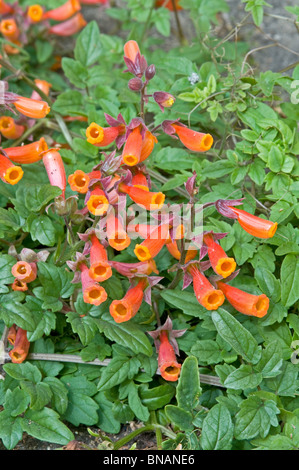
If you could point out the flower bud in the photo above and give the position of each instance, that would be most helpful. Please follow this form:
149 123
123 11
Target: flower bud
150 72
163 99
135 84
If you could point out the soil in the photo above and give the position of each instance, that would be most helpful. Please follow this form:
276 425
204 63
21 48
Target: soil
282 34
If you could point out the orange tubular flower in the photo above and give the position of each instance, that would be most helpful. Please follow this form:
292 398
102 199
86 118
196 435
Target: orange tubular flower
152 245
206 294
55 169
254 225
4 8
169 367
9 129
19 285
12 333
126 308
148 200
35 13
168 4
100 269
9 29
195 141
132 148
21 347
64 12
93 293
117 236
29 153
32 108
248 304
24 271
102 136
44 86
147 147
221 263
132 269
131 49
79 180
10 173
97 203
139 181
69 27
175 252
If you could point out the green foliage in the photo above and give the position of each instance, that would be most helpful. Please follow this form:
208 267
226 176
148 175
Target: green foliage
238 386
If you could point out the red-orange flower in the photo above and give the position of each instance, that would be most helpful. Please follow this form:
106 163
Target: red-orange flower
148 144
139 181
9 173
132 148
169 367
55 169
173 249
168 4
254 225
97 203
12 333
79 180
152 245
206 294
35 13
9 29
131 49
5 9
44 86
142 197
248 304
221 263
195 141
19 285
21 347
103 136
100 269
32 108
24 271
93 293
10 129
133 269
126 308
69 27
116 234
64 12
29 153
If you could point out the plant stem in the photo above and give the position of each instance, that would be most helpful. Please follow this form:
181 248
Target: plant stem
121 442
159 438
182 38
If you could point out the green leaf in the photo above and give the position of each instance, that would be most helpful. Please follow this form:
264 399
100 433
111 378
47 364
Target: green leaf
75 72
217 430
86 327
157 397
255 418
268 283
56 284
126 334
185 301
11 431
275 159
44 50
42 229
40 394
23 371
81 409
270 363
46 426
207 352
88 47
285 384
188 388
12 311
6 263
141 412
69 102
243 378
37 196
117 371
236 335
16 401
59 394
107 421
289 275
179 417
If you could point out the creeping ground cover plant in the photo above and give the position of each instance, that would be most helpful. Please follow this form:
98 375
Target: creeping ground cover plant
149 268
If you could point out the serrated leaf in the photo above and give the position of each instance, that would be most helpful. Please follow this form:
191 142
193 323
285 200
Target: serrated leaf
242 378
46 426
217 430
289 275
188 388
88 47
185 301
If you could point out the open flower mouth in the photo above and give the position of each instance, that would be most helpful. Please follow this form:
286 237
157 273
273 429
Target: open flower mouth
98 205
225 267
130 160
6 123
207 142
100 272
212 300
95 295
14 174
142 253
157 201
121 311
260 308
95 134
119 240
170 371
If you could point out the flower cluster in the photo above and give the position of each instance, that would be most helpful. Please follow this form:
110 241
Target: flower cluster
113 187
